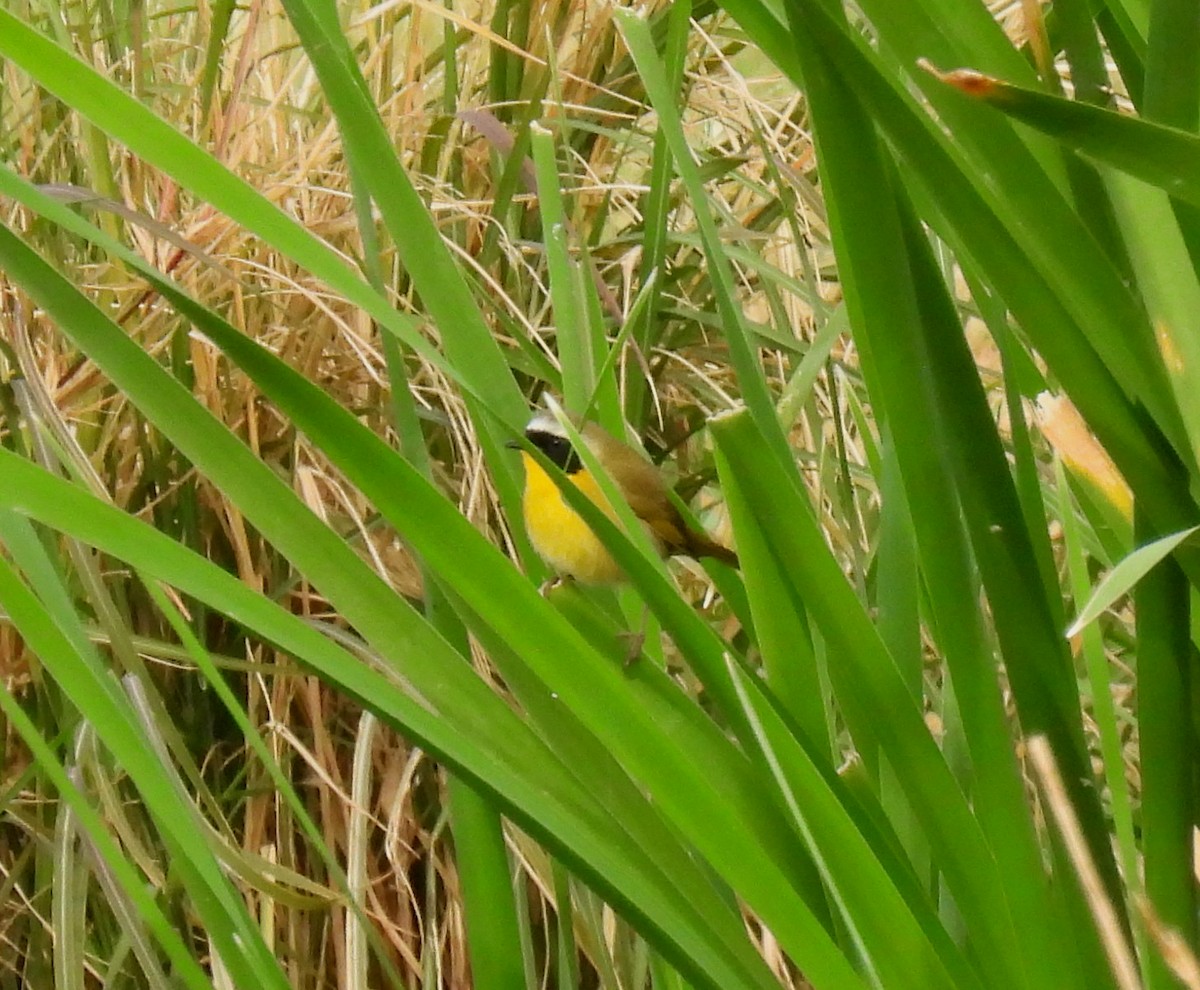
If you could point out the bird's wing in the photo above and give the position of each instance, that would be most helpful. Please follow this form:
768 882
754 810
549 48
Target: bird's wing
646 491
652 504
647 494
643 487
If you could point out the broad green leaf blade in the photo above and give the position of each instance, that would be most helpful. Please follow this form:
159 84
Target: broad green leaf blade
374 467
471 348
1163 156
81 673
572 335
157 142
1172 94
454 715
481 858
781 629
662 742
1167 278
873 697
656 216
744 356
386 620
1124 576
1112 745
1167 751
901 942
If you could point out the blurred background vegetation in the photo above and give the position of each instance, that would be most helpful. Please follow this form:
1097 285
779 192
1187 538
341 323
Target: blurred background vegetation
282 704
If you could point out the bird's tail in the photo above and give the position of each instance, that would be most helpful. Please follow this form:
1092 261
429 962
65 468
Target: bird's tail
699 545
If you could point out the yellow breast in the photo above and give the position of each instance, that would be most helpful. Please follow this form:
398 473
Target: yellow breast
559 534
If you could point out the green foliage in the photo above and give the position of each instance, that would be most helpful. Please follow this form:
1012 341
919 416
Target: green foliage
817 781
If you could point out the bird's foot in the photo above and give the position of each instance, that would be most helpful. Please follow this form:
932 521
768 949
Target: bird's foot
554 583
634 641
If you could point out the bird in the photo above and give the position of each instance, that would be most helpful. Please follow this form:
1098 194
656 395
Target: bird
559 534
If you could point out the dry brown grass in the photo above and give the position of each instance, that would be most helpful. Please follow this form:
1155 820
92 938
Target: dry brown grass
269 125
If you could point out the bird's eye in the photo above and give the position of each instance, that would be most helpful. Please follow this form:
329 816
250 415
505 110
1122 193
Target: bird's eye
559 450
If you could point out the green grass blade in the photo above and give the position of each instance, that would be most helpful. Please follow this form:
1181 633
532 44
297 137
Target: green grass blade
570 322
220 15
482 860
781 629
1124 577
1157 240
372 608
1103 708
132 883
897 949
1172 94
159 144
1158 154
656 215
1080 40
83 678
68 899
1168 753
874 699
453 714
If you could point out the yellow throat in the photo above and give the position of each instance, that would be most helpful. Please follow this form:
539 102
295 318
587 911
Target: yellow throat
559 534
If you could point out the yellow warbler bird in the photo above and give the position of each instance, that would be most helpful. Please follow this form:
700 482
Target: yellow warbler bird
558 532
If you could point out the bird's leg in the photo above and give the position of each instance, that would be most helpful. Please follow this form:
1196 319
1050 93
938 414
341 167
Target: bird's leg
634 641
552 584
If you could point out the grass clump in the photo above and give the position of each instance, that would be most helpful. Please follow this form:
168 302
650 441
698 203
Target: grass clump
283 706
